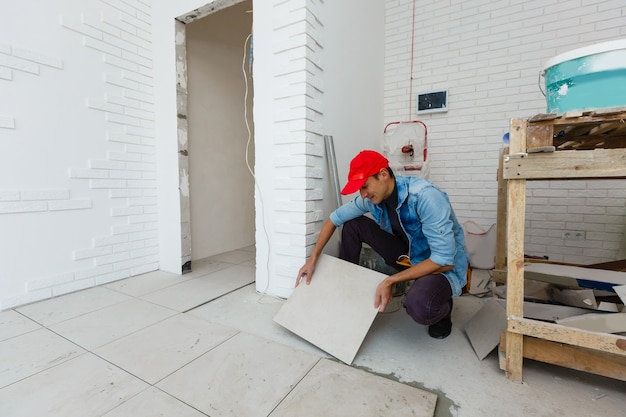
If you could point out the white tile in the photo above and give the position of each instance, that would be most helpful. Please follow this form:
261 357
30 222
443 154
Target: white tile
100 327
154 403
246 376
156 351
334 389
56 310
336 310
14 324
197 291
83 386
146 283
30 353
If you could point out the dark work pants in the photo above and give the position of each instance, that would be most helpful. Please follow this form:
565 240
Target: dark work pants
429 299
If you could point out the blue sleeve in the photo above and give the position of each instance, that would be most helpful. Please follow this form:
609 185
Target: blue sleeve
436 216
355 208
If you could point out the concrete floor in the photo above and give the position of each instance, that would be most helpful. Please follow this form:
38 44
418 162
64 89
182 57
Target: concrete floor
160 344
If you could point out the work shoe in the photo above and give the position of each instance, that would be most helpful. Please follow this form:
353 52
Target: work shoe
443 327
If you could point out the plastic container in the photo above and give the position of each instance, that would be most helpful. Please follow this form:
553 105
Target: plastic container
593 77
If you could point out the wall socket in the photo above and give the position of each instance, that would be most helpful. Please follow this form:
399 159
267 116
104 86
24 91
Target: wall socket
573 235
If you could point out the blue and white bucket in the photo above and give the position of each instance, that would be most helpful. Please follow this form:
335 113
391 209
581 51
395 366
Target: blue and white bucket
589 78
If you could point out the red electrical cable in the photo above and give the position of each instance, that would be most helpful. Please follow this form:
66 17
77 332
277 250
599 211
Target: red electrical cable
412 55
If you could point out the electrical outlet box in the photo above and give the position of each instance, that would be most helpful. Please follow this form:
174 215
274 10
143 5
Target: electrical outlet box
573 235
432 102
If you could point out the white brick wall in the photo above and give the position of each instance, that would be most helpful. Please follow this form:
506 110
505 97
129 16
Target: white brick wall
120 32
489 55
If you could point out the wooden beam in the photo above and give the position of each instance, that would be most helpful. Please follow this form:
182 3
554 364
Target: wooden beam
602 163
609 343
573 357
516 213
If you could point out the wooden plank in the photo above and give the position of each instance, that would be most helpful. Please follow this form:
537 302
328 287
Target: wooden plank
539 136
501 222
609 343
573 357
516 213
605 163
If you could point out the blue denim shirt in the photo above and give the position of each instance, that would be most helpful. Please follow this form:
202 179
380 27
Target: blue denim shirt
428 221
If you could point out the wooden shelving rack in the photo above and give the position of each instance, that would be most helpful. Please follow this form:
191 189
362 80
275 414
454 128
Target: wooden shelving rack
584 145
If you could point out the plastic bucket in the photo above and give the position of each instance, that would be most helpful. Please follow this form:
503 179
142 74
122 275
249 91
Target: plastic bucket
593 77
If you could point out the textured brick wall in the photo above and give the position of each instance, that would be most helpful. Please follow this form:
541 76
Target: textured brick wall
120 33
489 55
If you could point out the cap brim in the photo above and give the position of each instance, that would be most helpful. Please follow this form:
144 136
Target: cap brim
353 186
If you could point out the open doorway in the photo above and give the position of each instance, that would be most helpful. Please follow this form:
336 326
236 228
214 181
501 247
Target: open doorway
219 155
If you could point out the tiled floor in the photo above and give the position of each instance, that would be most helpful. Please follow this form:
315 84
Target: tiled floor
205 344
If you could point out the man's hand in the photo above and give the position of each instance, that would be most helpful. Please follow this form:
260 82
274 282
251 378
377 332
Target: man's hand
383 295
306 272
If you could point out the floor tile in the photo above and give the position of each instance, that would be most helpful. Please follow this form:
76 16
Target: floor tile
100 327
334 389
56 310
14 324
31 353
336 310
146 283
194 292
85 386
154 403
234 257
158 350
251 312
205 266
246 376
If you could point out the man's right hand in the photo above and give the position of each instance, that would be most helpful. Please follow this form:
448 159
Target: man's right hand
306 272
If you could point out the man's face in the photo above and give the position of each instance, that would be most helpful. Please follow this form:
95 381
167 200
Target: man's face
377 188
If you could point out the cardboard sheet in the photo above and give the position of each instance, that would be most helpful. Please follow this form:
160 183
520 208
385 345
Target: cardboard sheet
336 310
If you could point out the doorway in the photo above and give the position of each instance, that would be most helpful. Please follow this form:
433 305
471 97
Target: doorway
218 161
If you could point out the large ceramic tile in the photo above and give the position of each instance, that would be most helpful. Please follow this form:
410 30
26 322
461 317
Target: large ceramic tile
156 351
336 310
56 310
25 355
234 257
205 266
195 292
85 386
244 376
146 283
14 324
100 327
154 403
334 389
248 311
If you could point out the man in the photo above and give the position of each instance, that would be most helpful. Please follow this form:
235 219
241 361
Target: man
410 216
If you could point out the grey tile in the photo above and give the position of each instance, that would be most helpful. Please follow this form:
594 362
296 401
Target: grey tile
334 389
85 386
14 324
194 292
146 283
56 310
246 376
234 257
158 350
154 403
336 310
30 353
100 327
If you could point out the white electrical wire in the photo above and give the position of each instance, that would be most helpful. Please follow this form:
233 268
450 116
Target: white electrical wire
245 115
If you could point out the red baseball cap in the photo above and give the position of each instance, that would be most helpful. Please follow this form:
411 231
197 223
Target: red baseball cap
363 166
